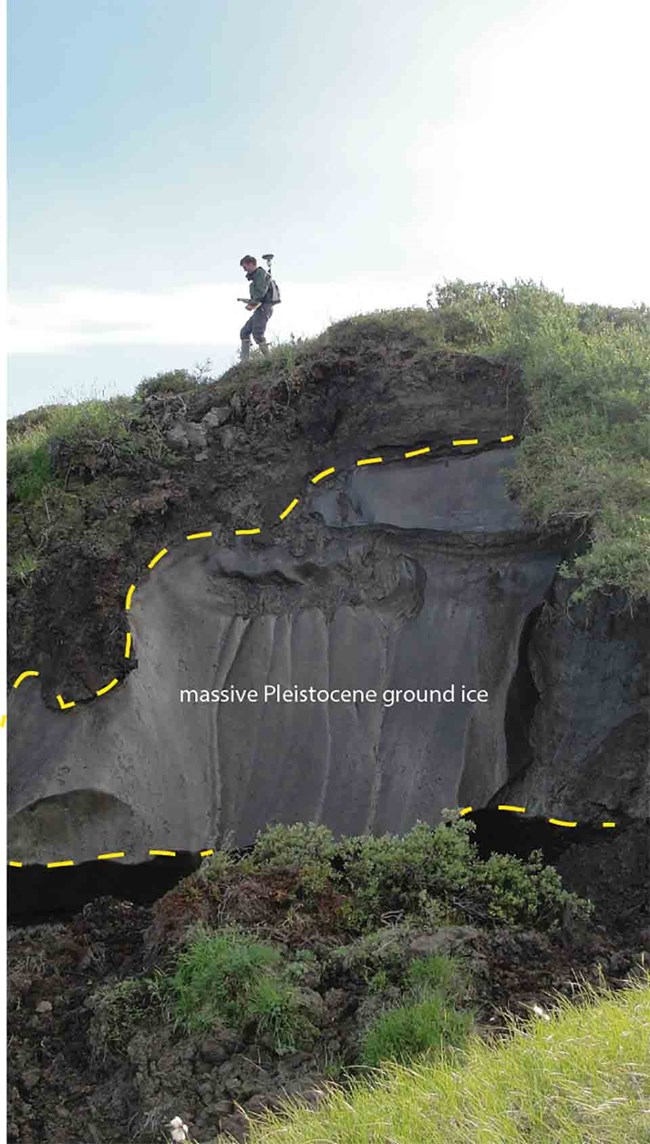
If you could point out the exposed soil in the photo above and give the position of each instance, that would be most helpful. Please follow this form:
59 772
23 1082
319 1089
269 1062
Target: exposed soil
118 505
66 1088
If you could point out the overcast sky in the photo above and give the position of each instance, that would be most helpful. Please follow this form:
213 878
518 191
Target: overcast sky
375 147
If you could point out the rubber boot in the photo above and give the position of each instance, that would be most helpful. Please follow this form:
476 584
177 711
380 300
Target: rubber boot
264 347
245 349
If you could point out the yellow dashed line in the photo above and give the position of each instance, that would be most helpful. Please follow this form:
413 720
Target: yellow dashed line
109 687
3 720
23 675
462 811
157 557
289 508
255 532
319 477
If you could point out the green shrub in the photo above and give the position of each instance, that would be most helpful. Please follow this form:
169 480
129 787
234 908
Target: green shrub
167 381
525 893
302 843
470 314
430 874
391 875
304 847
216 866
427 1026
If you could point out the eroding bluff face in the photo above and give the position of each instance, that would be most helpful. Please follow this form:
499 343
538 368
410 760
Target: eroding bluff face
412 577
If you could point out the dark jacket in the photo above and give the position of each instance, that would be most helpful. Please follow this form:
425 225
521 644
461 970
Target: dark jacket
260 281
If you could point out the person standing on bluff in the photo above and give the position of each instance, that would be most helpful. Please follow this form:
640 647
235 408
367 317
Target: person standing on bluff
261 303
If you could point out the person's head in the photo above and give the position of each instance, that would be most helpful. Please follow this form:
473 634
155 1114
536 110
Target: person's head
248 263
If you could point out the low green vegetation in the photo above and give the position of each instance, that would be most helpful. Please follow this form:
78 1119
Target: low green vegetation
585 455
427 1022
428 1026
429 874
227 980
579 1073
29 450
173 381
415 1062
434 974
25 565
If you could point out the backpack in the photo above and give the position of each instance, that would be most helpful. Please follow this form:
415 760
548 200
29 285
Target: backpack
272 295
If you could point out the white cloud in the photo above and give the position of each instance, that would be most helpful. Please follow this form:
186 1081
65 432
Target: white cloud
543 173
190 315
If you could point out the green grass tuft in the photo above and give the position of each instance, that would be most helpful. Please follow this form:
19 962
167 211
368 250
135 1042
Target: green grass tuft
427 1026
225 979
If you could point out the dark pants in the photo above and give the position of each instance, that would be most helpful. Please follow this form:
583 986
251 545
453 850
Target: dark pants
256 324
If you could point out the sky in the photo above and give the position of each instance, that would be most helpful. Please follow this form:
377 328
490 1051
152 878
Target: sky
375 148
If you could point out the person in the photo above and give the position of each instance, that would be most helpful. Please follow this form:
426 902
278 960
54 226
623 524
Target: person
260 292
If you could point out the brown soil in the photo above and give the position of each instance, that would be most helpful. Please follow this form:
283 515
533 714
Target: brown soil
63 1091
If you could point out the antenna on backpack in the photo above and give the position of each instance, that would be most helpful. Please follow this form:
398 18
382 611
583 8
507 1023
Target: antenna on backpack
268 258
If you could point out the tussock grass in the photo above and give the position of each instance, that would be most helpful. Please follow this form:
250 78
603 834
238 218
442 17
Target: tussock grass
413 323
226 978
29 463
582 1076
427 1026
585 455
